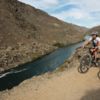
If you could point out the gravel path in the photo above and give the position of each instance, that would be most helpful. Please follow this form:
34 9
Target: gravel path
67 85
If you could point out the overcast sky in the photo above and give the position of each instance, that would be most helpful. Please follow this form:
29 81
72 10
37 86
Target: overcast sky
81 12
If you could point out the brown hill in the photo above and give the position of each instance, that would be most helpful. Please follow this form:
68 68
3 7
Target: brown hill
97 28
27 32
21 23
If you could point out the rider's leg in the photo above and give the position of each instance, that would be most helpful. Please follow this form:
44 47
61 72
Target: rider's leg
92 51
96 55
96 58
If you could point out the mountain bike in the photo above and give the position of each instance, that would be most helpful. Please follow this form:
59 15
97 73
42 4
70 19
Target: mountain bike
87 61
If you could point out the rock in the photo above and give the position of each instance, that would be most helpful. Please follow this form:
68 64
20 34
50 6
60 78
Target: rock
1 69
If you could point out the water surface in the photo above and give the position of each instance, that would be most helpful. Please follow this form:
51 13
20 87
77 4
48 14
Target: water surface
47 63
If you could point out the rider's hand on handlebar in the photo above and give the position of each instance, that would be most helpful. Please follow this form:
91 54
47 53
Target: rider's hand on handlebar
83 46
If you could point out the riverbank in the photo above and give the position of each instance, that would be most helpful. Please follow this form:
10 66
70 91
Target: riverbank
12 57
28 33
63 84
40 66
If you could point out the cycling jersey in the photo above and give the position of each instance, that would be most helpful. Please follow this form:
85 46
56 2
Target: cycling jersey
95 42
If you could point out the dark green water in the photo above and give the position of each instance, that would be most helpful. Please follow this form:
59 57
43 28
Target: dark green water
50 62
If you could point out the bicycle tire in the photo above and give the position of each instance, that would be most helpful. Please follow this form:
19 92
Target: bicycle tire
98 74
85 63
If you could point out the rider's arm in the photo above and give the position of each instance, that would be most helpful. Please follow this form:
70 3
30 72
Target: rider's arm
87 42
98 43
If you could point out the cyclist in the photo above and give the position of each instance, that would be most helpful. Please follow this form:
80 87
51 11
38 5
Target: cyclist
95 40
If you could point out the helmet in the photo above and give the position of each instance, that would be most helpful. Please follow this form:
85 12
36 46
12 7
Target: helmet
95 33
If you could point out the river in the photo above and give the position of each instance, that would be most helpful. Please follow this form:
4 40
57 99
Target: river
15 76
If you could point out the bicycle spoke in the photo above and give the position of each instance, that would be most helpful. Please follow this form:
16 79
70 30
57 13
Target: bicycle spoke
85 63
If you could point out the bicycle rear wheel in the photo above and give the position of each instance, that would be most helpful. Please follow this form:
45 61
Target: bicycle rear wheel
98 74
85 63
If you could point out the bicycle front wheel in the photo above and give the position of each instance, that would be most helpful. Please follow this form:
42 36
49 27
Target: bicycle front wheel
85 63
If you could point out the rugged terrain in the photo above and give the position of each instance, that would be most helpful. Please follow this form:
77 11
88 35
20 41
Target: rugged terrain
96 28
20 22
27 33
64 84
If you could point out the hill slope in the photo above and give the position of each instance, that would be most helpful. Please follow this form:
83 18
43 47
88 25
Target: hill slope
27 33
96 28
20 22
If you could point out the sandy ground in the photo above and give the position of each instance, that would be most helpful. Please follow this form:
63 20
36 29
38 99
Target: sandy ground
67 85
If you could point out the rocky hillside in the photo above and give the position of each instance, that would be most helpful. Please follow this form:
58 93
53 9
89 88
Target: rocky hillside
27 32
97 28
22 23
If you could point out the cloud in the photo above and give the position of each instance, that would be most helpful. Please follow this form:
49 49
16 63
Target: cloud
42 4
73 13
84 12
50 3
93 5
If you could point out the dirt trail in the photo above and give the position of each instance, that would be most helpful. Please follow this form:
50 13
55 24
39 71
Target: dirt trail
63 86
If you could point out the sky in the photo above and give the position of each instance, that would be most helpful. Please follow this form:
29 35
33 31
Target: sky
80 12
